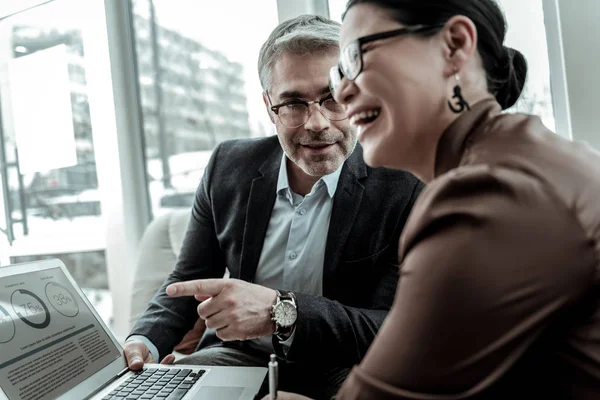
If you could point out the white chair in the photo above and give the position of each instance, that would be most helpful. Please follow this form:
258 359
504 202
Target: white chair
158 252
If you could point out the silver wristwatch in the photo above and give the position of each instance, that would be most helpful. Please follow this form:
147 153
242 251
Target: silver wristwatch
284 313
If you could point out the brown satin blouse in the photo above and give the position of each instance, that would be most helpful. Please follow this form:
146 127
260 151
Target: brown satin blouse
499 293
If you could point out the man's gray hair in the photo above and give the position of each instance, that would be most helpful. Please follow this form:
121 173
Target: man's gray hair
306 34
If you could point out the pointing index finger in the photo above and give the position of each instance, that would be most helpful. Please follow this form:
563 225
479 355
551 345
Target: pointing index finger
203 287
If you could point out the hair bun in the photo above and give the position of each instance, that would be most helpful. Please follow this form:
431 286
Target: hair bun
512 73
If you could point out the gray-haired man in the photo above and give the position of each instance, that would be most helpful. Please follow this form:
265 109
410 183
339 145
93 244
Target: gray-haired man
307 231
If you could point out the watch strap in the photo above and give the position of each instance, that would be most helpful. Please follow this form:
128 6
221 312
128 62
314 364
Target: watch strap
285 295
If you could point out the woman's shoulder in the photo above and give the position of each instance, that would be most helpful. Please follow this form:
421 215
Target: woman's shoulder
479 214
486 195
480 183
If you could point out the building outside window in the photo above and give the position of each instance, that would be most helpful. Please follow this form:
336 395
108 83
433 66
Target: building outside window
198 85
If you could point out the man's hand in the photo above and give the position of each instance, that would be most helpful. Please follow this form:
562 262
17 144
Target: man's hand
137 354
236 309
287 396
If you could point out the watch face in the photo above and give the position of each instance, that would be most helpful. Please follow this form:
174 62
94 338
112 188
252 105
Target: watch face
285 313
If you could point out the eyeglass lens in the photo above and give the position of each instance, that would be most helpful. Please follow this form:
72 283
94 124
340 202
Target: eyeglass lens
335 78
295 115
350 66
351 60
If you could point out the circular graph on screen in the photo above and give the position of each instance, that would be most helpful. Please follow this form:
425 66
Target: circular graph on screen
61 299
7 326
30 308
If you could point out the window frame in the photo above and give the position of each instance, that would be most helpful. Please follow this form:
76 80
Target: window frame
556 60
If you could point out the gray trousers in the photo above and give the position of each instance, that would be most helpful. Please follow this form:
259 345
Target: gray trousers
312 380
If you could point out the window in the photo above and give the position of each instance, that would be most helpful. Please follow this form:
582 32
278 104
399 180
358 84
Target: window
50 198
198 78
526 33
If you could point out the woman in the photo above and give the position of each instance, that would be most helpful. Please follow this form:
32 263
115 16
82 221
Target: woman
498 296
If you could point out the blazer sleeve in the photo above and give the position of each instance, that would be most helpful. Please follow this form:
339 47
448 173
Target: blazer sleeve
168 319
492 259
342 332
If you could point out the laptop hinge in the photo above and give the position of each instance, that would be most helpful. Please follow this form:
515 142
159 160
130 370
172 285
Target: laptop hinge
123 372
120 374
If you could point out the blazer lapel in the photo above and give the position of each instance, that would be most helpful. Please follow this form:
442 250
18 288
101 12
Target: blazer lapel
260 205
346 204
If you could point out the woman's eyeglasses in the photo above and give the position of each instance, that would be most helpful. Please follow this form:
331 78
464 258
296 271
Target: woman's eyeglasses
351 60
295 113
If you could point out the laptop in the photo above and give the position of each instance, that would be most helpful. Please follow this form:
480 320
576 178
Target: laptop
53 345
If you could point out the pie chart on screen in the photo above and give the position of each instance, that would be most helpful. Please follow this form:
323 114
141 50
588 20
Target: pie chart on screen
62 299
30 308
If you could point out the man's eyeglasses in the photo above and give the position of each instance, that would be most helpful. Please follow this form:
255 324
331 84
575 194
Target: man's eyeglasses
351 60
295 113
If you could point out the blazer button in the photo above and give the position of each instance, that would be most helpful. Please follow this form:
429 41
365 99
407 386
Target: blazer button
293 255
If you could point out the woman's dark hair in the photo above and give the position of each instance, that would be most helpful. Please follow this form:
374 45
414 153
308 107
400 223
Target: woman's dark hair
506 68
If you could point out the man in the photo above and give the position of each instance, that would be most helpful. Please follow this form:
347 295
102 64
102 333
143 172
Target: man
309 234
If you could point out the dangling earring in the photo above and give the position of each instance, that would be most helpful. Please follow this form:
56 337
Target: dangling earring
461 103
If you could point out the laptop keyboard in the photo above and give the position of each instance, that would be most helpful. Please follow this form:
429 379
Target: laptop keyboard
154 383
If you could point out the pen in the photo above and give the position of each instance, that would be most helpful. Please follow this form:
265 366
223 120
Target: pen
273 377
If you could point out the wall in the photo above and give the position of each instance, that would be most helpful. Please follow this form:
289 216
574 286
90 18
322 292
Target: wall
581 44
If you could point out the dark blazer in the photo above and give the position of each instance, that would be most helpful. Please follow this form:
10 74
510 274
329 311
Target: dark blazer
229 221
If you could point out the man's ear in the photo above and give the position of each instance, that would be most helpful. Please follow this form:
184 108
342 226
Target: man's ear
266 101
460 43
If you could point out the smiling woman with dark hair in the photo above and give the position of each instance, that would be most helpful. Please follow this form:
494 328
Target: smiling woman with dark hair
499 290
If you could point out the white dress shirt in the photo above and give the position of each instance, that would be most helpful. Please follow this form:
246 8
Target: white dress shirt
294 246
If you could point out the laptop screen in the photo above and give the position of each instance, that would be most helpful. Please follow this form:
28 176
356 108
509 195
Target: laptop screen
50 340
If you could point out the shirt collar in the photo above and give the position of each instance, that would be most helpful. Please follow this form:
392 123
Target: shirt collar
456 137
330 181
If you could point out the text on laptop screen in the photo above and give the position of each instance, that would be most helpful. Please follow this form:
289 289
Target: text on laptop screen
50 341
